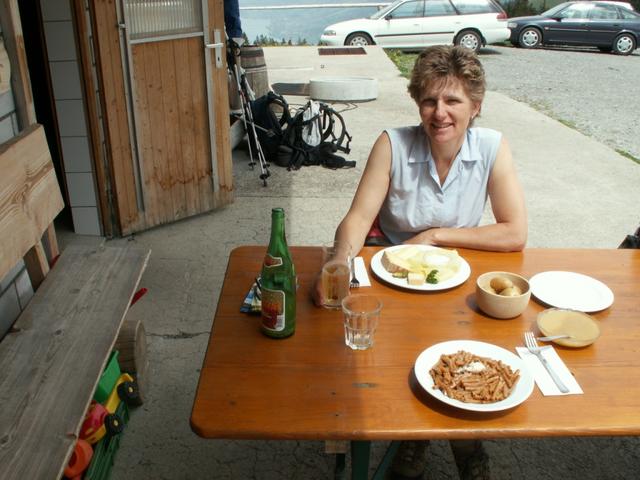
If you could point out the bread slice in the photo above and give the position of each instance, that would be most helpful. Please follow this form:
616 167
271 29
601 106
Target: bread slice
397 261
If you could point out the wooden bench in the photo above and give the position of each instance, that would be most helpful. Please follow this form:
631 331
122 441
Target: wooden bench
51 360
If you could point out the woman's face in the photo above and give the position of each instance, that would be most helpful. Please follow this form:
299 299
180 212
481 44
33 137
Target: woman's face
446 111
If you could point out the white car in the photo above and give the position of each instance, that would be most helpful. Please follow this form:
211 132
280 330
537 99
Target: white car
419 23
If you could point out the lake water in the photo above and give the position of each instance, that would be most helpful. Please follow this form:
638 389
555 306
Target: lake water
297 24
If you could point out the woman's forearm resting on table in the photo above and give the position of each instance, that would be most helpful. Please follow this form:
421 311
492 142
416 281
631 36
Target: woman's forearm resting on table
499 237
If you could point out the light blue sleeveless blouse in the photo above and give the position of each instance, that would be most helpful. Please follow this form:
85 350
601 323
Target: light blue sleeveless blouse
416 201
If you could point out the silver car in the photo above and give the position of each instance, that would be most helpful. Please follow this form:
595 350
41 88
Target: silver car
419 23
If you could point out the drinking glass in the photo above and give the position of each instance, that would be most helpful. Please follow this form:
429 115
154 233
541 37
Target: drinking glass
361 316
335 273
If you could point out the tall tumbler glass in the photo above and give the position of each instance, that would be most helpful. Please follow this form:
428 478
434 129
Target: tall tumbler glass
335 273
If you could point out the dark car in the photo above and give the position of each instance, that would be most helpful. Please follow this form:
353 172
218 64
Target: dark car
610 26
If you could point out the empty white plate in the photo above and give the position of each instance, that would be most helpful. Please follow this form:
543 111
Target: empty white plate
571 290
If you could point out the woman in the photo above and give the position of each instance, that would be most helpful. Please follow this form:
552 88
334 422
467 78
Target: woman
429 184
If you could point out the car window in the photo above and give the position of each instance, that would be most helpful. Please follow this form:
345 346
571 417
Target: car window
628 15
384 11
474 6
436 8
409 9
576 11
604 12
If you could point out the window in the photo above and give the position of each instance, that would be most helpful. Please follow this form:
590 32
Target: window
437 8
157 18
469 7
628 15
409 9
604 12
576 11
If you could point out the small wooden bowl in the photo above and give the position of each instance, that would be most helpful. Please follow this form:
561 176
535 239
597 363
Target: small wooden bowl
500 306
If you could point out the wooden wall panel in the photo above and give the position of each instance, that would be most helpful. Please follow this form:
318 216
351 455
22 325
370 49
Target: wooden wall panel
201 117
184 100
166 50
224 194
114 108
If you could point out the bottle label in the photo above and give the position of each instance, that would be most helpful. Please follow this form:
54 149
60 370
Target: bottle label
273 303
270 261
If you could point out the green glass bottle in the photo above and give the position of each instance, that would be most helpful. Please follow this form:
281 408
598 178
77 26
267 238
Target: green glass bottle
278 283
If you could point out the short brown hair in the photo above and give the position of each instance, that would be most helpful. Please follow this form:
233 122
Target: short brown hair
436 64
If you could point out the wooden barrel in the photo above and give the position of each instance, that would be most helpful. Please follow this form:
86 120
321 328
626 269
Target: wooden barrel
132 347
252 60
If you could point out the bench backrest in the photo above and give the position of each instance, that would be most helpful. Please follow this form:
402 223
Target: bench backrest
29 197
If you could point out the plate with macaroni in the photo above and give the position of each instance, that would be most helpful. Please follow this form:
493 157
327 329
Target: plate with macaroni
475 376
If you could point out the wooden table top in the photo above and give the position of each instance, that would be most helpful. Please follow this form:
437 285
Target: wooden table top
311 386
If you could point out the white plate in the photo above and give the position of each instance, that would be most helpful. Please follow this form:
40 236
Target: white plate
376 265
427 359
571 290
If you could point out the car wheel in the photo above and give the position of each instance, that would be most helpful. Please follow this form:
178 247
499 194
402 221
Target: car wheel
114 424
624 44
129 393
358 40
469 39
530 37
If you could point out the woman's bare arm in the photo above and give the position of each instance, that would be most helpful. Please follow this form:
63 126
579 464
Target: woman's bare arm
369 196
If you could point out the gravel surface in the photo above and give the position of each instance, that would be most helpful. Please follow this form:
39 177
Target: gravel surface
595 93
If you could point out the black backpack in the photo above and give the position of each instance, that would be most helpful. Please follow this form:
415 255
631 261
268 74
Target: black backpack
313 137
271 118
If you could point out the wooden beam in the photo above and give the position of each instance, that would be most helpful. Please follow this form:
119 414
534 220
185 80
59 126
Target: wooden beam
14 43
107 210
37 264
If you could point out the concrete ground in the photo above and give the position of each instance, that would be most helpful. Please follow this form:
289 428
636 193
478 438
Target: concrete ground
579 194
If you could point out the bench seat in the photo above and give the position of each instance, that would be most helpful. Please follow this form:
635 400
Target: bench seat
51 360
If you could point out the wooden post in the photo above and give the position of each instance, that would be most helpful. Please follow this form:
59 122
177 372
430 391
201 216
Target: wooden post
14 42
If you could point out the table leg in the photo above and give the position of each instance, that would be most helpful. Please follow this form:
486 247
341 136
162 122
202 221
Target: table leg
360 450
385 463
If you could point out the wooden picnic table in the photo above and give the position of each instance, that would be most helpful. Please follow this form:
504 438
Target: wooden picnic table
311 386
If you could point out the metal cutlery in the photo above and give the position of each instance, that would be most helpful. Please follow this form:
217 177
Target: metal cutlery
532 346
354 283
551 338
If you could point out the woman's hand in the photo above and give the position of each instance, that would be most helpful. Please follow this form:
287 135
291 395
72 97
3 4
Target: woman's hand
316 292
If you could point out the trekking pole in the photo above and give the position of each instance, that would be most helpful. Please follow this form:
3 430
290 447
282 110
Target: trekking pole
243 102
264 172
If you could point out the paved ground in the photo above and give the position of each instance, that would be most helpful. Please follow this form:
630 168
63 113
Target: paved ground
580 193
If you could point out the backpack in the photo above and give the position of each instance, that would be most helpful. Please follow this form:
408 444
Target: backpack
271 118
311 139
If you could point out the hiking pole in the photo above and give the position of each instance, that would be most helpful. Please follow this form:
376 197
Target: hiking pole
243 102
264 172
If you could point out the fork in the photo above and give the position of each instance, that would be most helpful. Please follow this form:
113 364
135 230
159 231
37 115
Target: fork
532 346
354 283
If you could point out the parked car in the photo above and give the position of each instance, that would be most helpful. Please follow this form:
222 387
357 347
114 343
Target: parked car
416 24
610 26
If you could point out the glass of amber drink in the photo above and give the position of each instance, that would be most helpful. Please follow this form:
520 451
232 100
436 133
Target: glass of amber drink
335 273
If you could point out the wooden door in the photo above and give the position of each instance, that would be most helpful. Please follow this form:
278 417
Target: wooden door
166 108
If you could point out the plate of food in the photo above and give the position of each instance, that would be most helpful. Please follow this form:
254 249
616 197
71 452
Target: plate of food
475 376
570 290
420 267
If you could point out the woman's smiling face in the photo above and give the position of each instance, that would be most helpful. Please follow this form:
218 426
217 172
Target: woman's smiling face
446 111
